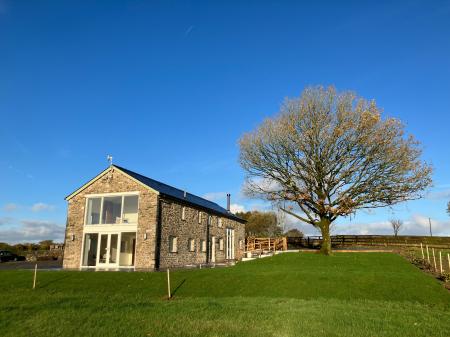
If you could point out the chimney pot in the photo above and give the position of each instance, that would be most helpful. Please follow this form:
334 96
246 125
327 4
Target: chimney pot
228 202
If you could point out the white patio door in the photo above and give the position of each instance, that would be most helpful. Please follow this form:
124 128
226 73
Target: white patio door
230 244
213 249
108 250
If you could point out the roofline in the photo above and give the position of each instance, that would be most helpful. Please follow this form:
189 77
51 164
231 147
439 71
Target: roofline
101 174
112 167
230 215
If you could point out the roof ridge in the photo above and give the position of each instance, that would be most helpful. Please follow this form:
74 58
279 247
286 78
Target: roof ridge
162 183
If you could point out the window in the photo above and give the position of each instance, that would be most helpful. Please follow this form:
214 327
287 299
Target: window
209 220
112 206
191 245
173 246
199 217
183 213
130 209
108 210
219 222
93 211
203 245
220 244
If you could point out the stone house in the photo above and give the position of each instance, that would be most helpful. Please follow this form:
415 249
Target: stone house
121 219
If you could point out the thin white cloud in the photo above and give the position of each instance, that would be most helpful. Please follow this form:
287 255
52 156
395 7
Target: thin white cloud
10 207
439 195
417 224
40 206
215 196
33 231
189 30
5 221
234 208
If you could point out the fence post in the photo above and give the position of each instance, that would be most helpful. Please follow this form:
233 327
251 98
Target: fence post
434 260
448 259
440 261
34 279
428 256
421 248
168 284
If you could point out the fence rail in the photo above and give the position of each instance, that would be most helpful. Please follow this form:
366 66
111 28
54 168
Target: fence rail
371 240
265 244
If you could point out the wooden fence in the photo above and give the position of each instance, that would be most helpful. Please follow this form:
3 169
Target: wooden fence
371 240
265 244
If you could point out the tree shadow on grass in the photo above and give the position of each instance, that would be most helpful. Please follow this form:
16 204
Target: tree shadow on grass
178 287
46 284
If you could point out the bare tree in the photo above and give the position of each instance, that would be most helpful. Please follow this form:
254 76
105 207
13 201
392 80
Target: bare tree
329 154
448 208
396 225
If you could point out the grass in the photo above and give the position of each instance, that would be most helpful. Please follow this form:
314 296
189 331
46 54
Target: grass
295 294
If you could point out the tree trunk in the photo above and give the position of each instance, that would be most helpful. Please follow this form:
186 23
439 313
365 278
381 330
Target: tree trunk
326 240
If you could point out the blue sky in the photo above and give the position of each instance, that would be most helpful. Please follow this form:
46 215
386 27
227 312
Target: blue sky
168 87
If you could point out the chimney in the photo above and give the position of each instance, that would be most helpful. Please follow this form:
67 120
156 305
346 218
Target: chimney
228 202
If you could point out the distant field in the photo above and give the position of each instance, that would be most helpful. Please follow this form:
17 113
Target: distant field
292 294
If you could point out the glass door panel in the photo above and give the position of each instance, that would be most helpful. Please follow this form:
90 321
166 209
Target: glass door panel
90 249
113 248
103 252
127 248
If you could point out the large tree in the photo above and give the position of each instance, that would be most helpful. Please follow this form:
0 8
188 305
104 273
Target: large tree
329 154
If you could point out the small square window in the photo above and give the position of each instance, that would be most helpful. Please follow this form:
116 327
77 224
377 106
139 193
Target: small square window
183 213
173 244
220 244
203 245
219 222
191 245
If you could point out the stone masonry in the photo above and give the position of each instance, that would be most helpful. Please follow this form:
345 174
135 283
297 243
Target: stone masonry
151 205
113 182
173 225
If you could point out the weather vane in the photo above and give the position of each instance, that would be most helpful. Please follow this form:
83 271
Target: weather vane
109 158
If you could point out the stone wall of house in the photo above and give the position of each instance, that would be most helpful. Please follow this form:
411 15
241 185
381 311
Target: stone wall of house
113 182
172 225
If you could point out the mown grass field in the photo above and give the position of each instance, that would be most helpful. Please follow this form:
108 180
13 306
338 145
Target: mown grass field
294 294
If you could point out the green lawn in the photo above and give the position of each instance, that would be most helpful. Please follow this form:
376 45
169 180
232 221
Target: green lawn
295 294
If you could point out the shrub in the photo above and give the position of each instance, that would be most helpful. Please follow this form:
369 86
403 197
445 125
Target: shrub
445 276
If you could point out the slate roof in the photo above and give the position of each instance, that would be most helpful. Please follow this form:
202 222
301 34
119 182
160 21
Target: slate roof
172 192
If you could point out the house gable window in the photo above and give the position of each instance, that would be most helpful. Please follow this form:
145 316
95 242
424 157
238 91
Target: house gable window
93 211
219 222
199 217
173 244
183 213
112 209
